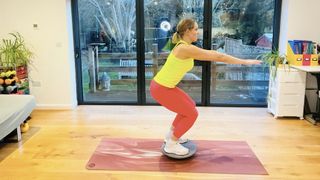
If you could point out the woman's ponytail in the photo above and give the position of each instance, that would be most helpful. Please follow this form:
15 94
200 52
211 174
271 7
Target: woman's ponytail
176 38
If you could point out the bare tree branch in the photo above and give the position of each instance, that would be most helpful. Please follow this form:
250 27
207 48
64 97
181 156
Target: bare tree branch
117 19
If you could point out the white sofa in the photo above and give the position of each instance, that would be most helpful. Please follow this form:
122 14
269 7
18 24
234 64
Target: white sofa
14 110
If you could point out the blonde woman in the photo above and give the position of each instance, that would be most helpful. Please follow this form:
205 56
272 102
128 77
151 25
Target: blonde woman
163 87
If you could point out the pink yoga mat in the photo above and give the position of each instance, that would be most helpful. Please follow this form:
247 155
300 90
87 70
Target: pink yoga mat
228 157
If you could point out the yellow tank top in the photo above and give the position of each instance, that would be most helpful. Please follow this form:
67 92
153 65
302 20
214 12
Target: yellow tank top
173 70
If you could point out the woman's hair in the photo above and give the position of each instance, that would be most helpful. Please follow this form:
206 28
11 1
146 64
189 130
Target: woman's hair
182 27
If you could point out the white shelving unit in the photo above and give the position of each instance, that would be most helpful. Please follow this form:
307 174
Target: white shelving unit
287 93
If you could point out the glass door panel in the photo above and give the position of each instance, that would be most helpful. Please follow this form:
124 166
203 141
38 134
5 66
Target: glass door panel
243 29
161 19
108 50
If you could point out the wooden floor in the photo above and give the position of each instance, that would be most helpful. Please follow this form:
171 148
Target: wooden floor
61 142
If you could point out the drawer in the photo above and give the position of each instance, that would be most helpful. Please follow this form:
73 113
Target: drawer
291 75
291 110
289 100
291 88
285 110
287 89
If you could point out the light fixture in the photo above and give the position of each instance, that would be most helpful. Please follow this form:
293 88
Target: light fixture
165 25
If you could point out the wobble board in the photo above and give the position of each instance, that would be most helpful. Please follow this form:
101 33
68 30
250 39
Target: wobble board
189 144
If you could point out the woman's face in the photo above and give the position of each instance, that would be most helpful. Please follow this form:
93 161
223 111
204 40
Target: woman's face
193 33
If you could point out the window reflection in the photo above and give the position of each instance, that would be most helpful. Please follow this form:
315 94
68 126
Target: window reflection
243 29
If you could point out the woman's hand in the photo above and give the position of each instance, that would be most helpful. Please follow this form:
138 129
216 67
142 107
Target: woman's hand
252 61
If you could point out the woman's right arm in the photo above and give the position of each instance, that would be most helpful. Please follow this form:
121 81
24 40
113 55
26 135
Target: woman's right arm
195 52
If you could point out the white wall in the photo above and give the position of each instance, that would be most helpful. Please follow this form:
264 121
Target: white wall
300 21
53 78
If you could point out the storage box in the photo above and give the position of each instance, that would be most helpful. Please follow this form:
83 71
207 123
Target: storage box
301 59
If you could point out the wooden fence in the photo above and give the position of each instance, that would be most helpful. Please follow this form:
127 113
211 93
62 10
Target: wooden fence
221 74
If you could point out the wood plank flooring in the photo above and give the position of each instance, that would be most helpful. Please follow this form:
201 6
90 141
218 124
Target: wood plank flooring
60 142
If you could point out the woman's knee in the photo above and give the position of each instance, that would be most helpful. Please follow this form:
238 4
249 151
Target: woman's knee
193 113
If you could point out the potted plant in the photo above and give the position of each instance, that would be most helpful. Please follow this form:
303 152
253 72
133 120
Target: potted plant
274 60
15 56
14 52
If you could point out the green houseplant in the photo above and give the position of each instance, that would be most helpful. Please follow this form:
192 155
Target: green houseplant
15 56
14 52
273 60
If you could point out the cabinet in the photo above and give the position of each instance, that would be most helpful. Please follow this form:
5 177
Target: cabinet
287 93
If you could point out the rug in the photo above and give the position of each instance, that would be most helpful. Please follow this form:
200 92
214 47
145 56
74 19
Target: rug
227 157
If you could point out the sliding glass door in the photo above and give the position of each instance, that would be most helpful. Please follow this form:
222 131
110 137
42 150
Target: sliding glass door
121 44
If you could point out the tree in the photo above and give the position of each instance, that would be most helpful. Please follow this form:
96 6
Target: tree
249 18
116 19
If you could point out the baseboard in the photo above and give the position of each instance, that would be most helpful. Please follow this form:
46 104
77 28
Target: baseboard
56 106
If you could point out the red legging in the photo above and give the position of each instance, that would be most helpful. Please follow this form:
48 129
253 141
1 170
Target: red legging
179 102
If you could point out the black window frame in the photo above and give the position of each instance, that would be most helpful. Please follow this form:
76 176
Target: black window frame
141 92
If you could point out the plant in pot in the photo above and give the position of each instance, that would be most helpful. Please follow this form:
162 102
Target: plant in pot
274 60
15 56
14 52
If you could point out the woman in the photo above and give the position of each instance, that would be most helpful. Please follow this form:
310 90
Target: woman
163 87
